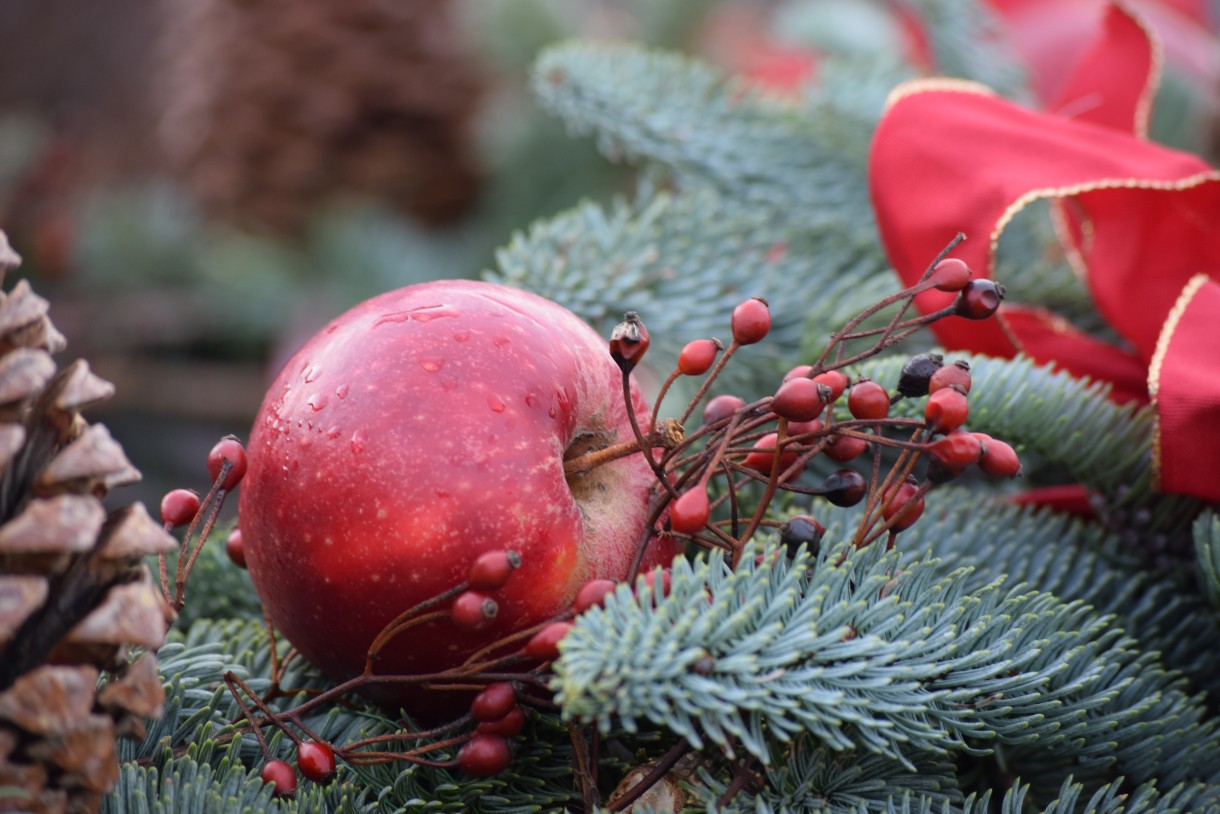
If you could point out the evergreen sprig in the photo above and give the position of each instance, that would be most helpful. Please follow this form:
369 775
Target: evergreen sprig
863 656
1207 555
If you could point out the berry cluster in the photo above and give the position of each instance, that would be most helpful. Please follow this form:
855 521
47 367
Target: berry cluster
715 485
817 409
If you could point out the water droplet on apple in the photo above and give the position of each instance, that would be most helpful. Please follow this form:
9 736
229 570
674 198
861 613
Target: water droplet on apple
431 365
461 336
317 401
333 433
530 399
501 341
496 403
311 373
341 391
441 493
358 440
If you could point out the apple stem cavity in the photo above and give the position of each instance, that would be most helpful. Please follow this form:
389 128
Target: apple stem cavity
668 435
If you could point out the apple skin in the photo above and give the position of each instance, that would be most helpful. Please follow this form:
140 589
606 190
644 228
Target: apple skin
416 431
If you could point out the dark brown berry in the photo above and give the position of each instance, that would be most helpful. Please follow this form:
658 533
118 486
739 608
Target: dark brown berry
917 373
473 610
721 407
698 356
979 299
751 321
281 776
797 400
950 274
801 530
179 507
485 755
227 449
316 761
957 373
491 569
493 702
868 400
844 487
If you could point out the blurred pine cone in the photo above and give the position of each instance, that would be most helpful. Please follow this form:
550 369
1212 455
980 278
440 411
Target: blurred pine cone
75 596
273 107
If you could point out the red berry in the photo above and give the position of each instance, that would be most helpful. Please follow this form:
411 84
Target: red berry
491 569
485 755
751 321
544 645
698 356
721 407
896 500
832 383
227 449
950 274
316 761
179 507
957 450
845 448
473 610
762 456
798 428
235 548
689 513
798 372
494 702
281 775
946 410
979 299
957 373
797 400
999 459
629 342
868 400
593 594
507 727
844 487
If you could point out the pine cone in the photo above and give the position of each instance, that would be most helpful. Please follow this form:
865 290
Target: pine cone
75 596
274 107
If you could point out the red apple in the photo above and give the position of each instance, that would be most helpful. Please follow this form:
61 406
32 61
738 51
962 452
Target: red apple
421 429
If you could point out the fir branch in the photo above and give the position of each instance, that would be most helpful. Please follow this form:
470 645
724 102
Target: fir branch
967 42
684 261
710 129
1063 556
924 665
1207 555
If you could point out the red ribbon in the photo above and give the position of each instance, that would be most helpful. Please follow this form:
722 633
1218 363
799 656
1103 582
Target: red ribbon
1143 220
